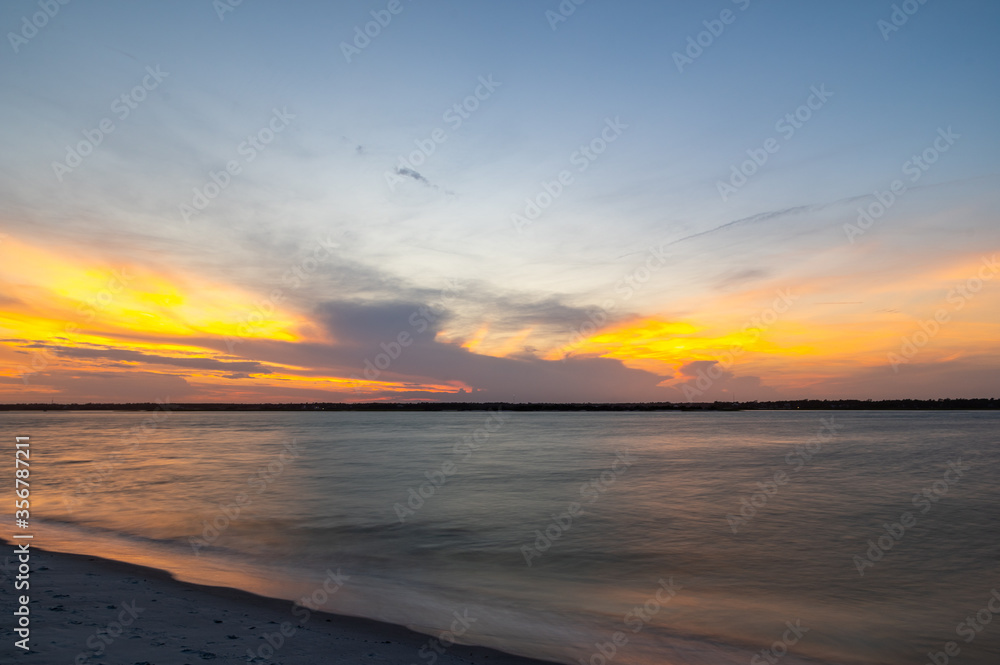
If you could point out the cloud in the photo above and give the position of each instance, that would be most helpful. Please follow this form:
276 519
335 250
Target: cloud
741 277
708 381
395 341
128 355
463 305
966 377
410 173
416 175
355 323
83 386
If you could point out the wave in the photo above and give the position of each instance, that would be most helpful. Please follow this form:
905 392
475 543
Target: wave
510 621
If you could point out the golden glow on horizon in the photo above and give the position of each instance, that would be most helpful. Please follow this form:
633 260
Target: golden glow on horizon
473 342
512 344
96 315
654 343
99 312
360 386
54 294
496 346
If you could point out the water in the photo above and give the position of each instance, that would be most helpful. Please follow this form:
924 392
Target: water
275 500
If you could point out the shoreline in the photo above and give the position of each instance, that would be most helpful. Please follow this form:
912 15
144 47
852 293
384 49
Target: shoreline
89 609
945 404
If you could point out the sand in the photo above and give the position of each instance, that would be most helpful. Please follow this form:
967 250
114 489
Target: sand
79 603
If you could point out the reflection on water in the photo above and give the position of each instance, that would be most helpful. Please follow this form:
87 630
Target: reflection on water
436 513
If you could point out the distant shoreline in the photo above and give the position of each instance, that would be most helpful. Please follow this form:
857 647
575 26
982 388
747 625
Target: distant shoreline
982 404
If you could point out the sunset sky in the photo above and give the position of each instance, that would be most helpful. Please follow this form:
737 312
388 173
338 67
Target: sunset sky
486 201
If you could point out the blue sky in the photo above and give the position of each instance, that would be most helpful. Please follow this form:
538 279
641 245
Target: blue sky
346 124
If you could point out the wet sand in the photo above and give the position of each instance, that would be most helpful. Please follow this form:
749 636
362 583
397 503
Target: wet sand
90 610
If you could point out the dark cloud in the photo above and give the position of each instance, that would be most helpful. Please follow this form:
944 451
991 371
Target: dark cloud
515 312
966 377
708 381
697 367
355 323
367 346
82 386
470 302
410 173
128 355
416 175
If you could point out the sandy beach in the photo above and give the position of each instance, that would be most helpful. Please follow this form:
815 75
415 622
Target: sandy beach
91 611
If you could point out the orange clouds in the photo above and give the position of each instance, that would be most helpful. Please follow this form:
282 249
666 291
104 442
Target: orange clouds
63 313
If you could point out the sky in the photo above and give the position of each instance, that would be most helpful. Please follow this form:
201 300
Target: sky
526 201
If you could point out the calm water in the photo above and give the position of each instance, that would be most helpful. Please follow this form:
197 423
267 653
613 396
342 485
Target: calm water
274 500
